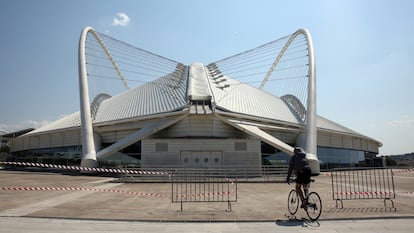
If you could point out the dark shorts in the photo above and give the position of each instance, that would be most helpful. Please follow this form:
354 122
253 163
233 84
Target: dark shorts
304 176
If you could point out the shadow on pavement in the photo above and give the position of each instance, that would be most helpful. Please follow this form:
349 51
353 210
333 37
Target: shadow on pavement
292 221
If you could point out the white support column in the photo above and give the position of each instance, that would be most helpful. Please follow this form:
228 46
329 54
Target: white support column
88 144
309 139
310 130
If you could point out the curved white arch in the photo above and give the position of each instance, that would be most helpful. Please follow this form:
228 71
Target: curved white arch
88 146
97 102
310 129
108 54
296 106
306 33
310 143
277 59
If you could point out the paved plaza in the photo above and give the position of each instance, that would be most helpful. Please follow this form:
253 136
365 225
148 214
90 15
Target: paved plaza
50 225
46 202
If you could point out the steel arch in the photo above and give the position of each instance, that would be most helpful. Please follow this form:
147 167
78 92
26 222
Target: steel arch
310 144
88 143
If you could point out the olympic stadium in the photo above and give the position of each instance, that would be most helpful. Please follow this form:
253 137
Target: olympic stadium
140 109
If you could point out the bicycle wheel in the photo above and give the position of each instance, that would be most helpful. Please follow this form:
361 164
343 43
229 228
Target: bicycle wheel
314 208
293 202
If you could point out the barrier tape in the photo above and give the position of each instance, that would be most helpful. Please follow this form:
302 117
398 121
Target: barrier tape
189 196
89 169
112 191
81 189
364 193
372 193
408 170
165 196
106 170
141 172
206 194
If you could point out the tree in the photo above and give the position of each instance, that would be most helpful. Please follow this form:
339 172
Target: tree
390 161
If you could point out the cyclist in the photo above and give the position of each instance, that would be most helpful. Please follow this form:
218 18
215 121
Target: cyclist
299 164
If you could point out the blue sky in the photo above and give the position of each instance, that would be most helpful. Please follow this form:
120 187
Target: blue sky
364 52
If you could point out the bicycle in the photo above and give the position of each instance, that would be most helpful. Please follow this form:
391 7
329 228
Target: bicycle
314 207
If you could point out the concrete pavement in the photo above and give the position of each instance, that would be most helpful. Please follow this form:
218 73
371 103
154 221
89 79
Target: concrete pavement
73 203
51 225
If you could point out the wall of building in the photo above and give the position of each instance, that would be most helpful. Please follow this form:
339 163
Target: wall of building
200 126
210 141
335 140
66 138
173 152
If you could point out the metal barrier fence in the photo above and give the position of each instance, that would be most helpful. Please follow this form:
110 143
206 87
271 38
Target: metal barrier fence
203 185
267 173
363 183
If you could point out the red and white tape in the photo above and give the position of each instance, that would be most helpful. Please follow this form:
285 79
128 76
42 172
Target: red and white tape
78 168
81 189
364 193
106 170
394 171
373 193
409 170
112 191
188 196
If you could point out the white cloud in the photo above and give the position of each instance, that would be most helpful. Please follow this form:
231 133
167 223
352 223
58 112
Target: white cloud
121 20
405 121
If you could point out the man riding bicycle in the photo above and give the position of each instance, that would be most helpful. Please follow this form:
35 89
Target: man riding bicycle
299 164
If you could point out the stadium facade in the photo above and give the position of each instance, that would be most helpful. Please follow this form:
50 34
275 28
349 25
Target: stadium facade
194 115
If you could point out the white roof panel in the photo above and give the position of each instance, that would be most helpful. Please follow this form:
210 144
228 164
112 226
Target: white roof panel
234 96
72 120
165 94
324 123
169 93
198 88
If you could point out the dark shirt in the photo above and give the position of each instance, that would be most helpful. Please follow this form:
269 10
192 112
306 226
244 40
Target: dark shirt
297 162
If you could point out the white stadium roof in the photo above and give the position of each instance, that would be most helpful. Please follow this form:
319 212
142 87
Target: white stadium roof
221 93
168 94
170 88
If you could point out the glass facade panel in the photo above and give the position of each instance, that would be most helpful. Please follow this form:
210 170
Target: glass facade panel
119 160
278 158
336 157
131 157
329 158
60 155
72 156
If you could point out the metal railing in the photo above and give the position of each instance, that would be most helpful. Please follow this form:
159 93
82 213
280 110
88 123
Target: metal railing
203 185
262 174
363 183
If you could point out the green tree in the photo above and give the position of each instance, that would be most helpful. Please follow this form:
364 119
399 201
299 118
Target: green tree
390 161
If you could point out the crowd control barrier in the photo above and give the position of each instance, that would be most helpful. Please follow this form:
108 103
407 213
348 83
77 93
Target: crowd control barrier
203 185
362 183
